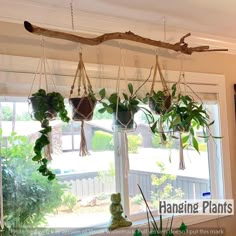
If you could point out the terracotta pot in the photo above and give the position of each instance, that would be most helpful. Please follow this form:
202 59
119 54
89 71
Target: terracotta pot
82 108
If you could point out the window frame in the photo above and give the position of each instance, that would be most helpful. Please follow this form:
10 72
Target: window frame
200 83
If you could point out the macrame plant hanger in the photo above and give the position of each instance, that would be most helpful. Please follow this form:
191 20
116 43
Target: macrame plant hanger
128 122
83 105
167 95
43 70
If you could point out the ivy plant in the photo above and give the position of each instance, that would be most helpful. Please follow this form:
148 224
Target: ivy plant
46 106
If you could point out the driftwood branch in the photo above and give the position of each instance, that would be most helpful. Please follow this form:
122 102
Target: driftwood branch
181 46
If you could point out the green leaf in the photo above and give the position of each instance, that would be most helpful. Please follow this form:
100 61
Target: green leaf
211 123
130 87
183 228
195 143
113 98
125 96
204 136
217 137
137 233
176 121
153 127
191 131
102 110
163 136
37 158
173 90
185 139
110 110
51 176
102 93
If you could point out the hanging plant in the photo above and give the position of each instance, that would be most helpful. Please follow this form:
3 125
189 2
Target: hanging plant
45 107
159 102
184 116
83 105
124 108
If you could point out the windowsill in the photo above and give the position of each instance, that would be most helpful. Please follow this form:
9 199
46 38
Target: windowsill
142 224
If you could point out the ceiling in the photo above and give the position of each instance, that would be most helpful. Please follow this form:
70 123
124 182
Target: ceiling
211 22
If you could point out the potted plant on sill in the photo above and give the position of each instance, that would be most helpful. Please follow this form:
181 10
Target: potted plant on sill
45 107
153 228
124 107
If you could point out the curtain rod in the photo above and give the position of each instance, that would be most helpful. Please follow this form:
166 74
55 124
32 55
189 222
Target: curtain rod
180 46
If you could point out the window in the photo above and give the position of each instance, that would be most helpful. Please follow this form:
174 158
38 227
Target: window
155 168
119 161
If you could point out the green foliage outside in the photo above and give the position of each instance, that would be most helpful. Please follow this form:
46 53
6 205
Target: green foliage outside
171 143
7 112
69 200
137 199
105 176
202 147
163 187
27 195
134 141
102 141
100 116
156 141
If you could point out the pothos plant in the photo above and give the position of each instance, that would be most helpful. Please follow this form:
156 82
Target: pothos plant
46 106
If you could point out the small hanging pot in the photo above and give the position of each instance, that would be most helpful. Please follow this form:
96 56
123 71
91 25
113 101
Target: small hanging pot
36 105
82 105
123 120
82 108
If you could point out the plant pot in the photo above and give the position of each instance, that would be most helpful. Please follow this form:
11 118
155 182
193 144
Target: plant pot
82 108
123 120
42 106
162 105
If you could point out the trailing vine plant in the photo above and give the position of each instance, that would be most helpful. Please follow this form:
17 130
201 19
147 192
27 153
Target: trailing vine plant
46 106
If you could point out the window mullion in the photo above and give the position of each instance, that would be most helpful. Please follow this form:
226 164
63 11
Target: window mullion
122 167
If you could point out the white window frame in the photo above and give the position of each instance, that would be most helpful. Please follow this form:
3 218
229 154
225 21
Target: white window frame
200 83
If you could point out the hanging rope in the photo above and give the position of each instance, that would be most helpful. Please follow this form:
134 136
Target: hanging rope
83 105
72 15
123 119
43 70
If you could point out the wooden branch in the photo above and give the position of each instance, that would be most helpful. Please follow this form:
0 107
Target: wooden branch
181 46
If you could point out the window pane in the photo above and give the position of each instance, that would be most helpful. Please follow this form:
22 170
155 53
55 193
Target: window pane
80 196
155 168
